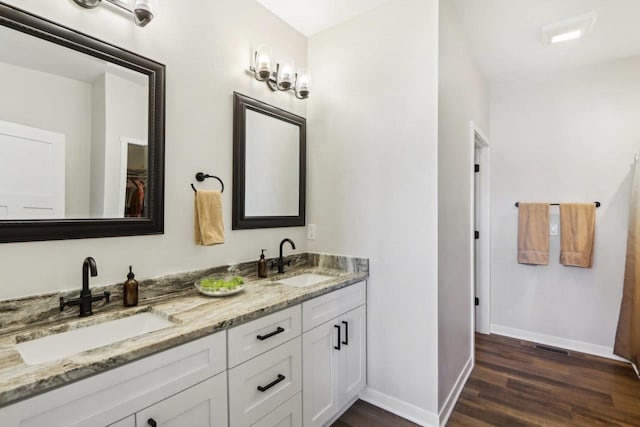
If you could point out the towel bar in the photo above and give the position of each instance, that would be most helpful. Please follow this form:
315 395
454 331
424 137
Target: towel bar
558 204
202 176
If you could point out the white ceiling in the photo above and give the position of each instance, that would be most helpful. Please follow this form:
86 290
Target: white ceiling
312 16
506 40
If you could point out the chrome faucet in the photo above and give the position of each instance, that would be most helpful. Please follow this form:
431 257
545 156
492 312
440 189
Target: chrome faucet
280 262
85 300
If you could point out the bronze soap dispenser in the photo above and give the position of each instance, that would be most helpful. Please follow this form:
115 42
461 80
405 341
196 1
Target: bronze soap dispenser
130 290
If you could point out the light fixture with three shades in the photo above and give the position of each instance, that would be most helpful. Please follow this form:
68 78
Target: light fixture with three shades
280 75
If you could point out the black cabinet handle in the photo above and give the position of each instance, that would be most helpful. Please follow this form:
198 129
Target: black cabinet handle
264 388
269 335
337 347
152 422
346 333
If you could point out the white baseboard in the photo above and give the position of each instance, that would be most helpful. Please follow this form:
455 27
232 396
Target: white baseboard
454 394
583 347
400 408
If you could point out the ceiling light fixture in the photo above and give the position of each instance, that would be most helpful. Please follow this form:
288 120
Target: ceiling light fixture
142 10
569 29
281 77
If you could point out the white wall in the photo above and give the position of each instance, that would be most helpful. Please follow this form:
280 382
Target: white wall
58 104
561 138
98 145
463 97
206 48
372 185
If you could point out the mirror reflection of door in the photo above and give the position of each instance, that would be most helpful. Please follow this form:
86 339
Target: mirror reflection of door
32 172
133 178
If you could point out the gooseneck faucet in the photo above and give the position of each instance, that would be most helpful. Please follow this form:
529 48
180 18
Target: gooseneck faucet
86 299
281 258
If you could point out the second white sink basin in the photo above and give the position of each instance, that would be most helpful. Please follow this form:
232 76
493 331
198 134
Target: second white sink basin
59 346
304 280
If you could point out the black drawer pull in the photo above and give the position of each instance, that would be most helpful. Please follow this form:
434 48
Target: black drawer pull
152 422
337 347
269 335
264 388
346 333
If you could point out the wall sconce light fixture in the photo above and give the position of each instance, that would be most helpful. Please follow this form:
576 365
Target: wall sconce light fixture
142 10
283 76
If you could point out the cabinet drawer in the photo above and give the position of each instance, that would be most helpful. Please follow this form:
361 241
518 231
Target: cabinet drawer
260 385
289 414
319 310
260 335
203 405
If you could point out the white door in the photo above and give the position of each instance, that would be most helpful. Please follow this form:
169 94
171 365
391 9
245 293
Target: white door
353 354
482 223
203 405
32 180
320 380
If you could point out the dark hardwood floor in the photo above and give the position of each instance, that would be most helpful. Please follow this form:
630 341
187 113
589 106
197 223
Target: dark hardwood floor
363 414
515 384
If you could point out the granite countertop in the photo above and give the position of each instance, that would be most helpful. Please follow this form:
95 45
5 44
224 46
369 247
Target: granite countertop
174 297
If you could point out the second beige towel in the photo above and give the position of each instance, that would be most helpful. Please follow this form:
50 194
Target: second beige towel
209 229
577 234
533 233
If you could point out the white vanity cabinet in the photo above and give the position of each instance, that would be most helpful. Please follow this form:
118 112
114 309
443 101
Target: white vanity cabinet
113 397
300 366
334 353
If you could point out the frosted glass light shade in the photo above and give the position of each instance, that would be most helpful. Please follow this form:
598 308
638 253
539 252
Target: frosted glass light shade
262 61
303 84
286 73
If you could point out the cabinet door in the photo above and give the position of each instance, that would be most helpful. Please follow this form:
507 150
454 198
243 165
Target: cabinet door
320 399
203 405
353 353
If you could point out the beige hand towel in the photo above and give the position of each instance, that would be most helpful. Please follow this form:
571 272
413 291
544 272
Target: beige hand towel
209 229
533 233
577 234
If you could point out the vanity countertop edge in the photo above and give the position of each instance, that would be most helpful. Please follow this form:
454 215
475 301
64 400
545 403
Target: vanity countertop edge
194 316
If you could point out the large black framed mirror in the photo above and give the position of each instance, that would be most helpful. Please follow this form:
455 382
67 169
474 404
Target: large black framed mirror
81 134
269 165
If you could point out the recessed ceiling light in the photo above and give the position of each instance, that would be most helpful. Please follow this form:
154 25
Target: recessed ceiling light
569 29
564 37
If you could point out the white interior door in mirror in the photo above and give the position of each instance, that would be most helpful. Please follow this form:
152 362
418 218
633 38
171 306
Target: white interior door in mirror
32 172
272 166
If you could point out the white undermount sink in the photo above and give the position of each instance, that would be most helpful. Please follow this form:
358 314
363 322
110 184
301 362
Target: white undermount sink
304 280
59 346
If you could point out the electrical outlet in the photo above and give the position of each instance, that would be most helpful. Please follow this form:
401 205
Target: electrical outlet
553 229
311 232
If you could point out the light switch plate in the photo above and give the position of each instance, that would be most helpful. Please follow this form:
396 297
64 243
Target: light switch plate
311 232
553 229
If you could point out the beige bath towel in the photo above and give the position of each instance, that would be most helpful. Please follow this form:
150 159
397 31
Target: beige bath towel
577 234
533 233
209 229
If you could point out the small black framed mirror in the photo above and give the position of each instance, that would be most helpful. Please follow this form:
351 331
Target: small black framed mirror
82 127
269 165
